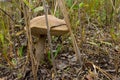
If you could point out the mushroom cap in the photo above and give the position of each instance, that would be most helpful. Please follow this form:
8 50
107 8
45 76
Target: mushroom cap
38 26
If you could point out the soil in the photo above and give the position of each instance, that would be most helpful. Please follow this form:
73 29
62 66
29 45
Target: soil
100 57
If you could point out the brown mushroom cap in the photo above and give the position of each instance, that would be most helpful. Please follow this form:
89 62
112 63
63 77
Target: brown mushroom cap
57 26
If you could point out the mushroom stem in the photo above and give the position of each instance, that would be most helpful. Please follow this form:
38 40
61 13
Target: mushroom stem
39 49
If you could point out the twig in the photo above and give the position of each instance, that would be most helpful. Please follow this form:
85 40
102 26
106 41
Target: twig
109 76
30 54
65 14
49 36
56 5
7 15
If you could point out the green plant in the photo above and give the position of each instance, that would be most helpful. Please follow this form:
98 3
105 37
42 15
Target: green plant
113 34
56 52
20 51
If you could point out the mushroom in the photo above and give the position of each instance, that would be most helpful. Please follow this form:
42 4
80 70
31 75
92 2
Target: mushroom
39 29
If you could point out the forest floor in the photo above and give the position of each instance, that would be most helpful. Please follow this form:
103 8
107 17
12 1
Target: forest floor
100 56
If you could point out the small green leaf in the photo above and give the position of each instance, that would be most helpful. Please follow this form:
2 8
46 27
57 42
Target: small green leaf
69 3
28 4
21 51
106 43
93 43
2 38
14 61
37 9
58 50
81 4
